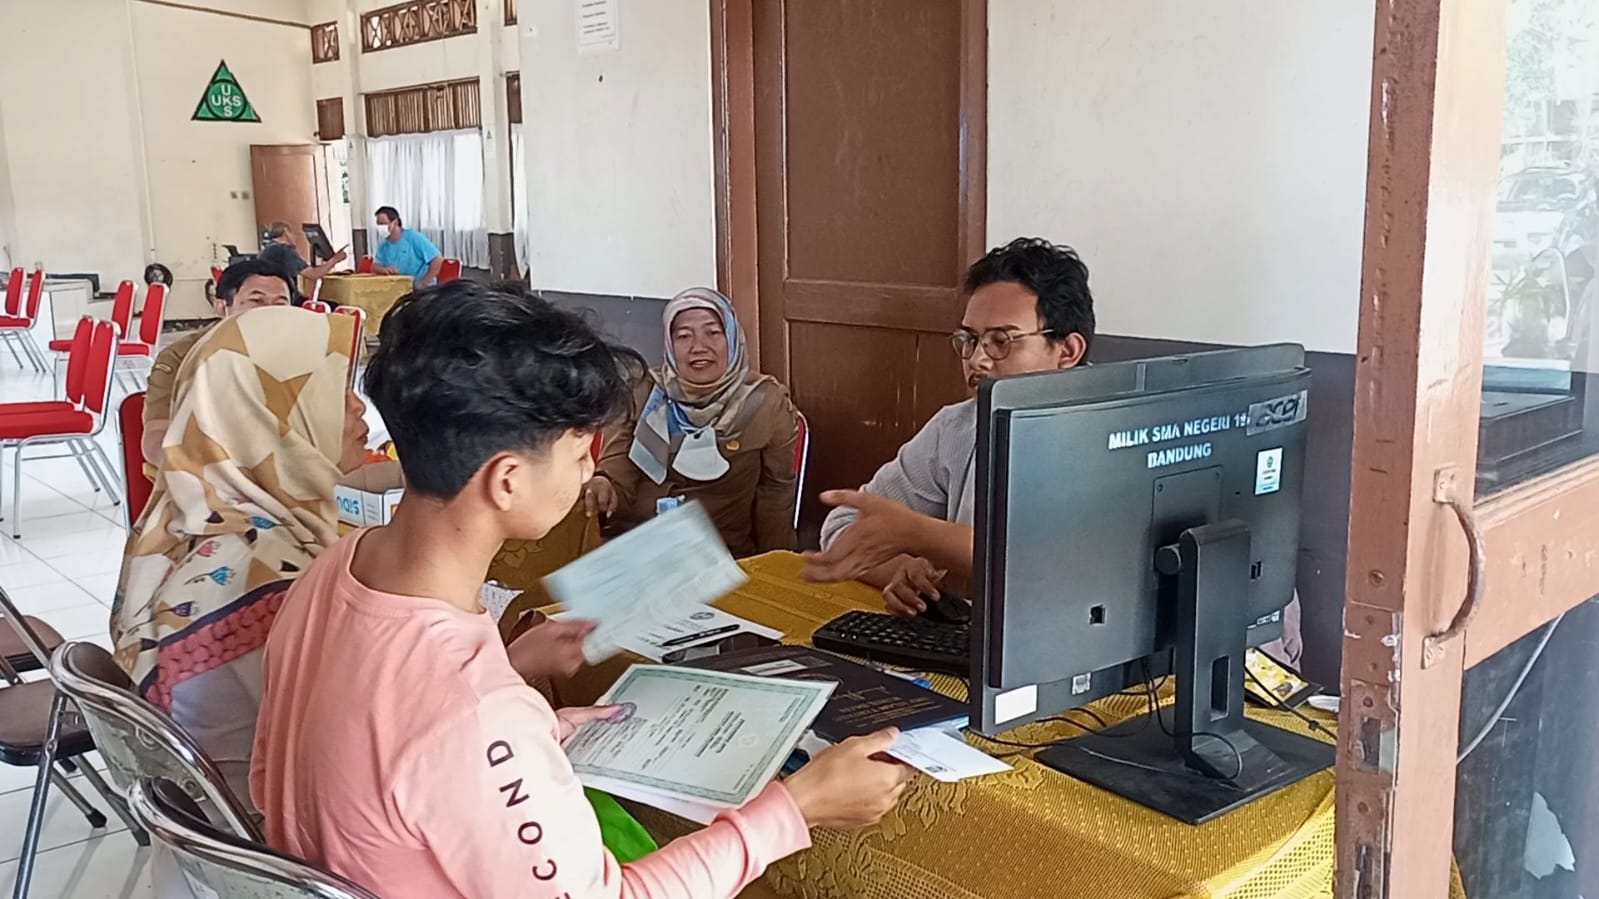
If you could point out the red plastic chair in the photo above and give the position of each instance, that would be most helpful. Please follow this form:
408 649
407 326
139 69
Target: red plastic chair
13 294
121 316
358 342
449 270
77 358
134 357
364 265
316 306
74 428
130 422
16 326
802 459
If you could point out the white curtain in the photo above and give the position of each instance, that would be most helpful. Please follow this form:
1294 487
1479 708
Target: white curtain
435 180
519 219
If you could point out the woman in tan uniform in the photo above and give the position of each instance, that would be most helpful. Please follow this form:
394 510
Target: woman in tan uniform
704 427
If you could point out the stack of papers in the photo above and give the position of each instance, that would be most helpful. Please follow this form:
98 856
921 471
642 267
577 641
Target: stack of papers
639 588
698 741
943 755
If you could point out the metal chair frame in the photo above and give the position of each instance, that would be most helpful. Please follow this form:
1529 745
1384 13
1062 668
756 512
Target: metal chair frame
225 864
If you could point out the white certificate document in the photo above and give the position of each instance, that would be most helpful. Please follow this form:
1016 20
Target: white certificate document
702 624
658 572
708 736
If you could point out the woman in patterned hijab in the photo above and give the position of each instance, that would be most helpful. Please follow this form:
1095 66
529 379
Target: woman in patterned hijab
263 423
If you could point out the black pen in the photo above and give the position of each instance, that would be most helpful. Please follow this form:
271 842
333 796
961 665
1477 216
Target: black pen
691 638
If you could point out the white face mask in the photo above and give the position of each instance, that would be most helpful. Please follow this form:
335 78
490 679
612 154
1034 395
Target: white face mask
699 458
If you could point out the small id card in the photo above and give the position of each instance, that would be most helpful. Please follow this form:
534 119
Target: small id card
667 503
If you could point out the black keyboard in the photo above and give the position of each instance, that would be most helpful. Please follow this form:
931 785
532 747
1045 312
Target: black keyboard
907 642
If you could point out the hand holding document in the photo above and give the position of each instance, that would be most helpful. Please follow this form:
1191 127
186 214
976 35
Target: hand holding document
697 741
652 575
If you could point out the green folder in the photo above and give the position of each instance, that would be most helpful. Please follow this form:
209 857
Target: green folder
622 834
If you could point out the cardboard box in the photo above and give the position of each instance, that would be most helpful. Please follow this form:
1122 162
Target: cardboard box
368 495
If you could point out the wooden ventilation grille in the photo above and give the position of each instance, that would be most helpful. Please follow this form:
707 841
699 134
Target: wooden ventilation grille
330 119
513 97
416 22
446 106
325 42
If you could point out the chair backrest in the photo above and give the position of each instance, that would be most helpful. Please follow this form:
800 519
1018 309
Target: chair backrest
217 864
35 295
317 306
130 424
137 739
359 341
122 307
97 373
216 275
449 270
78 359
316 291
802 458
153 316
13 298
364 266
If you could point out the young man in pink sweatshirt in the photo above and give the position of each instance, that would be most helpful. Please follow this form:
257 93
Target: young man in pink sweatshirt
399 744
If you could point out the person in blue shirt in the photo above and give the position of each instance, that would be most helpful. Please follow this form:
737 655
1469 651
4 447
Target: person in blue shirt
403 251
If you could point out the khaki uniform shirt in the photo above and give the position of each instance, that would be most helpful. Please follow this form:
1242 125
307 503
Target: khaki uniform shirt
752 504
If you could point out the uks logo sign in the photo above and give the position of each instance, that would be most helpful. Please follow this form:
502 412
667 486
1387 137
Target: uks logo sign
224 100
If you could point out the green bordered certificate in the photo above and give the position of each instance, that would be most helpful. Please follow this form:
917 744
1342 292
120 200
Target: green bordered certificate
705 736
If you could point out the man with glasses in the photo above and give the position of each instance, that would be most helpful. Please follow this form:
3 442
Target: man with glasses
1029 310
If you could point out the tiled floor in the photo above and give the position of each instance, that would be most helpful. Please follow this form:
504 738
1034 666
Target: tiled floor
64 570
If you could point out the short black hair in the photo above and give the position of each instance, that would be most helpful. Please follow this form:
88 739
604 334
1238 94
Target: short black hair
1053 272
234 276
465 370
391 212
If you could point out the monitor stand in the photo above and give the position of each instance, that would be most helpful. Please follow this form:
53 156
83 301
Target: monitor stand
1210 759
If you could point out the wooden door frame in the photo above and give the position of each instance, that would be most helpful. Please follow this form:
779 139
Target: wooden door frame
734 129
1438 78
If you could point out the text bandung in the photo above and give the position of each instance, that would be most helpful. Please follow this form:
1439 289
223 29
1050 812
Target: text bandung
1179 454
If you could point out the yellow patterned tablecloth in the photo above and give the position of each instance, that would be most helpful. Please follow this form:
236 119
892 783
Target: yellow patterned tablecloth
1032 832
374 293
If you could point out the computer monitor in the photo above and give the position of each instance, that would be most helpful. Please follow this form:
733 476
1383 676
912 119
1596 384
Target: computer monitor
321 247
1132 519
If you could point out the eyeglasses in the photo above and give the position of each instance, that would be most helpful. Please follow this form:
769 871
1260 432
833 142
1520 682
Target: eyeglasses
996 342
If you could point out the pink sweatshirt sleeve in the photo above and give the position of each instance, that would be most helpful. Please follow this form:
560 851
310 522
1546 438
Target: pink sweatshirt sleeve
503 815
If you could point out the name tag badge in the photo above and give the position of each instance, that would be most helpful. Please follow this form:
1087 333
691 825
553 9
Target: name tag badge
667 503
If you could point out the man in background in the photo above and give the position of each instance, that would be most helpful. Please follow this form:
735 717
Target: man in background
404 251
281 252
245 285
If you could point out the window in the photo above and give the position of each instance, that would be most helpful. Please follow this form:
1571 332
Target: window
435 180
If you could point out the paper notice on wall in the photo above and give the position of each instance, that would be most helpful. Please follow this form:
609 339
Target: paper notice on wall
599 26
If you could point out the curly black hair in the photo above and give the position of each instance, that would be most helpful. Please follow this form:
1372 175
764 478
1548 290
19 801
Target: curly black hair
1053 272
466 370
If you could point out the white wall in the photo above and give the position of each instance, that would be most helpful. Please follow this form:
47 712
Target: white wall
619 172
74 176
1207 159
201 192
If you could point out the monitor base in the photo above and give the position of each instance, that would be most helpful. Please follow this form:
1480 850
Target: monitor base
1279 759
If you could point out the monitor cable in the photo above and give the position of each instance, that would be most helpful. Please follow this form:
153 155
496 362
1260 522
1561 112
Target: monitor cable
1515 687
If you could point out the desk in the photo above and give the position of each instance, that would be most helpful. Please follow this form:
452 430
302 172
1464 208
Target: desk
376 294
1031 832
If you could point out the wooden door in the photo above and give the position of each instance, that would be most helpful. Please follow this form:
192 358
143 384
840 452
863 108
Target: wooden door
290 186
868 171
1468 733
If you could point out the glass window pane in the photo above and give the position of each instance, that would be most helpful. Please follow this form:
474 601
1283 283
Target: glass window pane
1540 402
1527 796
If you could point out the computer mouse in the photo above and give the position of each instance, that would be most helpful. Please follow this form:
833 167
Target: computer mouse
948 609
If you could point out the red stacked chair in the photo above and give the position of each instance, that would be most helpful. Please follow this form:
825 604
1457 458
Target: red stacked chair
121 316
74 423
449 270
141 351
130 421
16 324
364 266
